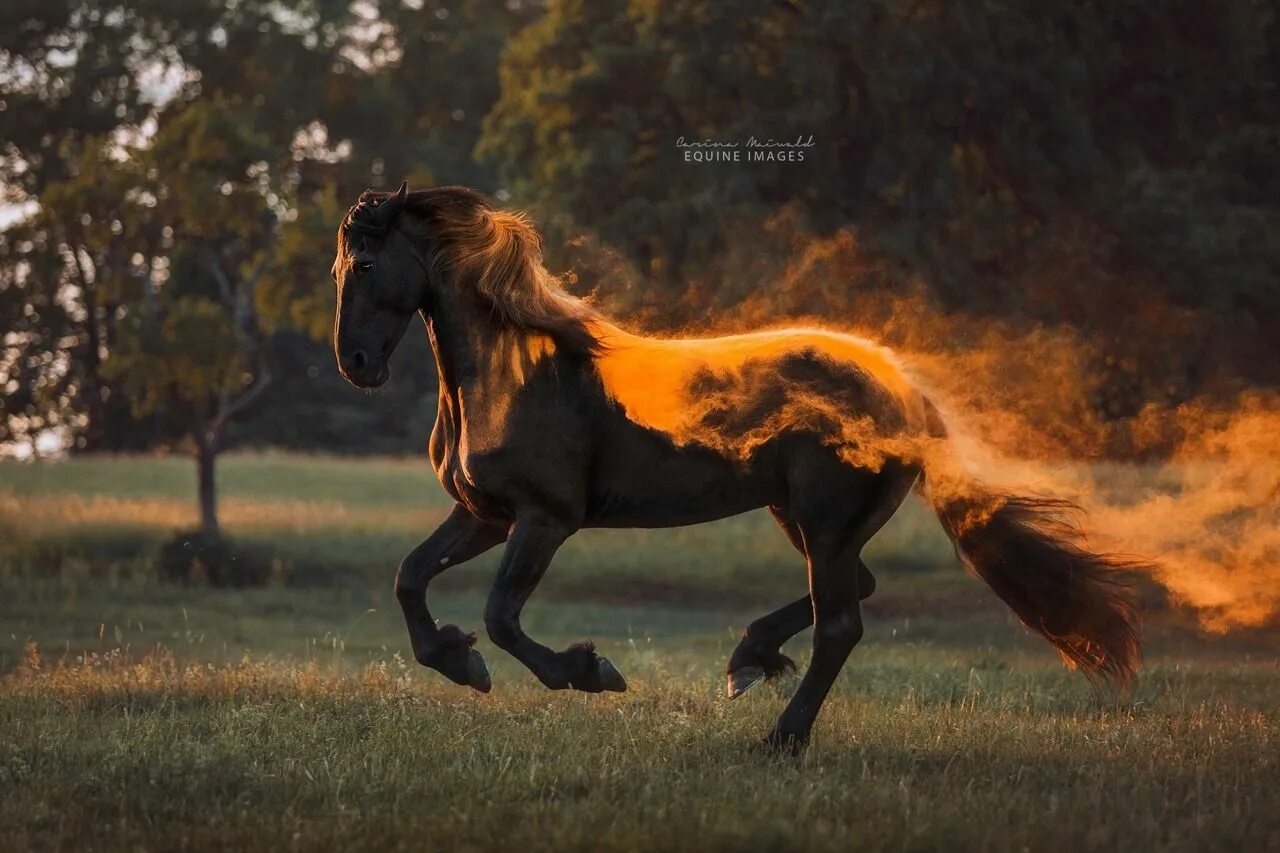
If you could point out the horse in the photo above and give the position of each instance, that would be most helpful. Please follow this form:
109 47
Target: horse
552 419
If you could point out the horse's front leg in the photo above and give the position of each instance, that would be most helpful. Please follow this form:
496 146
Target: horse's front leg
446 649
532 544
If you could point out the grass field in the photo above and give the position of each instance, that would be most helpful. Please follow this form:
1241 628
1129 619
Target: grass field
139 715
349 522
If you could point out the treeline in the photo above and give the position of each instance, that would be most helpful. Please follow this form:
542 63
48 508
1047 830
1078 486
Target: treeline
181 168
1109 166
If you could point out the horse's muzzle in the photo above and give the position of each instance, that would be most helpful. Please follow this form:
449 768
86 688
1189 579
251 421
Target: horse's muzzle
363 371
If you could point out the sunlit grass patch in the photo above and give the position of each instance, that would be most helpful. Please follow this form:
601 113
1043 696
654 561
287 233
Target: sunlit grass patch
69 514
350 521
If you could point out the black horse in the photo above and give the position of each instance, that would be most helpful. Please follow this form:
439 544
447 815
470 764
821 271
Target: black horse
551 419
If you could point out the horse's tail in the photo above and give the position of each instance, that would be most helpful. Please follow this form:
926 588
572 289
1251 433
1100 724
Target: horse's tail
1030 551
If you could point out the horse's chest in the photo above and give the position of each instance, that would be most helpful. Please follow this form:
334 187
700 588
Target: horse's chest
464 453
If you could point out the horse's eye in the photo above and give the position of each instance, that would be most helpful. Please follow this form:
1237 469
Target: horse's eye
364 266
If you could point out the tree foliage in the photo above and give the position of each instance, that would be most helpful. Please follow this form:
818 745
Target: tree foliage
1051 160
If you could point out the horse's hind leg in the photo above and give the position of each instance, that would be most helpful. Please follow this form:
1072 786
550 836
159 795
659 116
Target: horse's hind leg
866 580
759 652
835 520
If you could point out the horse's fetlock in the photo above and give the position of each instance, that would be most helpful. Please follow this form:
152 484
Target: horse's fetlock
771 660
453 637
554 681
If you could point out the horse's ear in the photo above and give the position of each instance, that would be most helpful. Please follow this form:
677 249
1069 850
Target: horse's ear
390 209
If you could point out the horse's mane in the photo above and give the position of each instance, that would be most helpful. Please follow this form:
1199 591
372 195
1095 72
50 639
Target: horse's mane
498 254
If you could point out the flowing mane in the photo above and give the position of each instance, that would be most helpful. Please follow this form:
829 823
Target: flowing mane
498 254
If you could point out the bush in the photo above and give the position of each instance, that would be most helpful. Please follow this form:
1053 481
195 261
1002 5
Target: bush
198 556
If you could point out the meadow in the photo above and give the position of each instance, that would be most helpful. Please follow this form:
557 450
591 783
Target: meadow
141 714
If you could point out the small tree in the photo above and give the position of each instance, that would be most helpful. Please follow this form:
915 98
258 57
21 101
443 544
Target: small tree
193 348
188 358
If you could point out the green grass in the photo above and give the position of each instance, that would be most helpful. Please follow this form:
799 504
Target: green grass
167 717
941 734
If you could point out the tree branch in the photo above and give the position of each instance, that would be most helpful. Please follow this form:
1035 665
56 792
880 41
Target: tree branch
229 407
219 276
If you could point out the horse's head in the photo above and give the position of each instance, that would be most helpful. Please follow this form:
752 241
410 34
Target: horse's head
381 284
446 253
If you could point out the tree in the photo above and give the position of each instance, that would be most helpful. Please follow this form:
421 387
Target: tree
194 346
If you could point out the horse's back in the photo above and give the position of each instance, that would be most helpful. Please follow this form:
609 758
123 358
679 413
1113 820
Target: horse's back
682 386
702 428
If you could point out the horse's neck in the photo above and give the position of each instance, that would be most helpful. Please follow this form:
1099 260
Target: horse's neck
478 363
455 359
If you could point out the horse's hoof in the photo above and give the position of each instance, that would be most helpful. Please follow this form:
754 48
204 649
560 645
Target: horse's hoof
743 679
610 679
477 672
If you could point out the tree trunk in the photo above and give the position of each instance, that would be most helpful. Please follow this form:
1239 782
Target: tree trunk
206 486
96 427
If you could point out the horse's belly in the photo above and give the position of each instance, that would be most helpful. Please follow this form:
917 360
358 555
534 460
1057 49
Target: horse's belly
668 509
646 481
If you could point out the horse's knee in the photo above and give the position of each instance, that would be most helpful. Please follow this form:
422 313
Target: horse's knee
502 632
501 624
409 585
404 591
416 571
866 581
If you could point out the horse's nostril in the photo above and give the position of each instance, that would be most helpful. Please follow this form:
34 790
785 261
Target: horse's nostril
359 360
